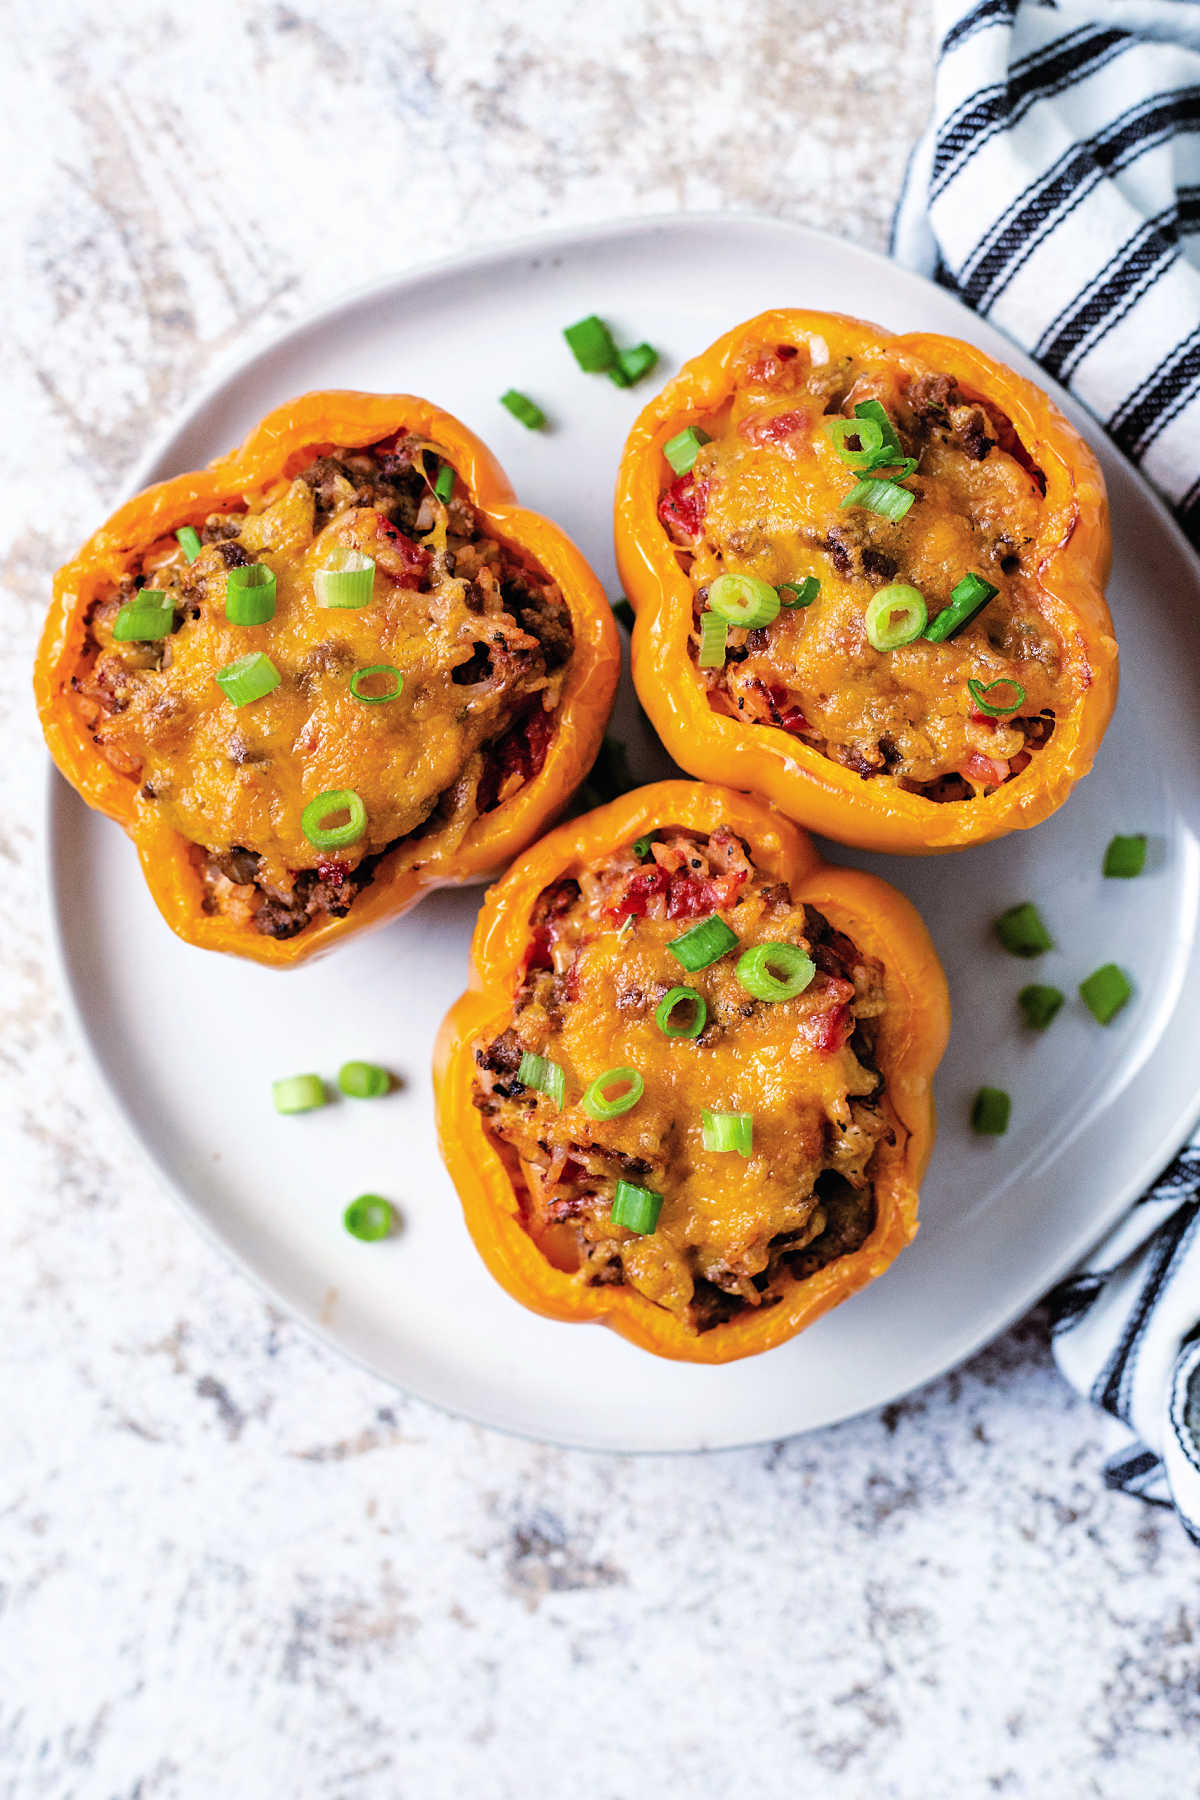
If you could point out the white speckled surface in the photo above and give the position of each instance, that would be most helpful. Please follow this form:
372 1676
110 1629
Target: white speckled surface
229 1563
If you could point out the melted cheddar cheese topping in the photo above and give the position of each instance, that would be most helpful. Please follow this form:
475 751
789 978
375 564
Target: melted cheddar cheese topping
441 614
766 498
789 1064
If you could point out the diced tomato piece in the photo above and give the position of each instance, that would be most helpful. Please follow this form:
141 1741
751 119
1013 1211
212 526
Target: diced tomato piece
398 556
833 1027
1018 762
773 428
332 871
681 508
978 718
639 893
521 751
986 771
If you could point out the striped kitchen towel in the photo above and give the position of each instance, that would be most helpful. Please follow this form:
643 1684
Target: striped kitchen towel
1057 191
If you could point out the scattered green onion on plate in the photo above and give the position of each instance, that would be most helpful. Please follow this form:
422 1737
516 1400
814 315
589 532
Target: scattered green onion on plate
991 1111
369 1218
1022 930
1105 991
363 1080
1126 856
298 1093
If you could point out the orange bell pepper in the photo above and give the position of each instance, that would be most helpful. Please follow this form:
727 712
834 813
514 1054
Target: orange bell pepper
914 1028
282 444
1063 571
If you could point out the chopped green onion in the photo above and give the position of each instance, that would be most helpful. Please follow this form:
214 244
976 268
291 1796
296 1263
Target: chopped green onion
250 594
326 806
990 1113
600 1103
636 1208
144 619
443 487
298 1093
623 613
522 408
896 615
887 498
363 1080
714 639
1105 992
775 971
682 450
1021 930
370 1218
966 599
248 678
1039 1005
591 344
870 437
743 600
704 944
641 847
727 1131
632 364
997 708
189 541
1126 856
674 998
347 579
799 593
546 1076
361 675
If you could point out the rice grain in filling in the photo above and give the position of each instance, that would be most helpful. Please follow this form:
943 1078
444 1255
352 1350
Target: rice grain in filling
732 1231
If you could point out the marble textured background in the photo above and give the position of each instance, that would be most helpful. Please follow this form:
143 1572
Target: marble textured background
230 1564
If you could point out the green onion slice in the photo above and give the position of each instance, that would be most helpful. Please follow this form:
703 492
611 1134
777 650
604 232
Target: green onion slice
878 440
443 487
798 593
696 1013
363 1080
1105 992
347 579
591 344
143 620
714 639
370 1218
1022 930
896 615
1008 696
775 971
1039 1005
248 678
990 1113
394 690
704 944
743 600
189 541
546 1076
632 364
601 1102
250 594
1126 856
887 498
967 597
641 847
636 1208
682 450
327 806
522 408
298 1093
727 1131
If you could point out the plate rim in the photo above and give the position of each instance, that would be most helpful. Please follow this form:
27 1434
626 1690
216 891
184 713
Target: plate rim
57 793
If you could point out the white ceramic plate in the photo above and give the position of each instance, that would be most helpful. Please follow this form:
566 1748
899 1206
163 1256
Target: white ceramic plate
188 1042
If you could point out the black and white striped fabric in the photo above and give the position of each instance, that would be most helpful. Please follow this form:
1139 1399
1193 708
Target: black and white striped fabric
1057 191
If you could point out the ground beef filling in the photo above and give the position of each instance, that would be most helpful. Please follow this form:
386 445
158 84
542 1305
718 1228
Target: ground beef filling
481 638
733 1232
764 498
